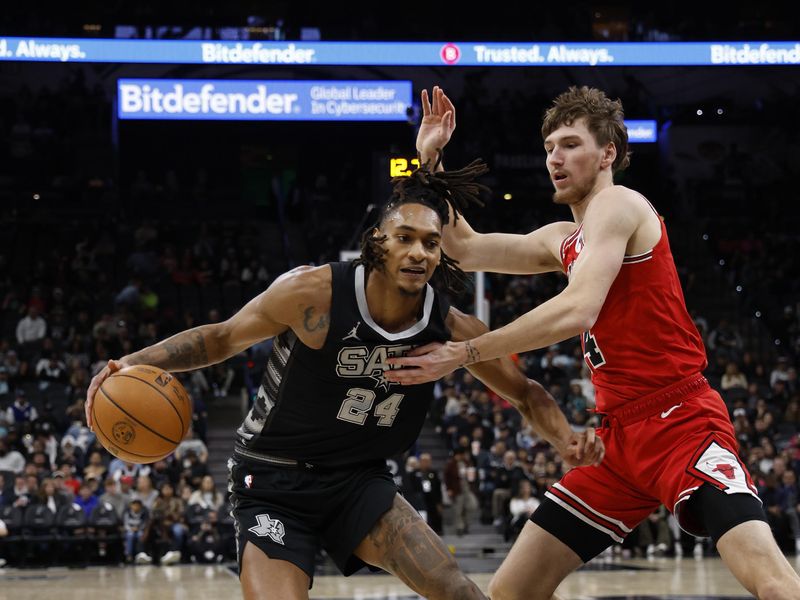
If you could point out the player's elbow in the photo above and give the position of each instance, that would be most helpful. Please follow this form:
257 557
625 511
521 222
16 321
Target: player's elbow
459 244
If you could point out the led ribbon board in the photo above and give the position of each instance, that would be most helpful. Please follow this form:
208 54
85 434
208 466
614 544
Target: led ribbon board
641 130
523 54
263 100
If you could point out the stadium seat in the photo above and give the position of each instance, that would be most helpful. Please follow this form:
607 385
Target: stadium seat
104 536
71 533
10 544
38 533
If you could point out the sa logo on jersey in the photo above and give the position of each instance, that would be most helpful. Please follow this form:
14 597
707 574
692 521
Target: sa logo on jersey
360 361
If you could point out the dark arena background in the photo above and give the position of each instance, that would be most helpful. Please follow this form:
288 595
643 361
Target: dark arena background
135 203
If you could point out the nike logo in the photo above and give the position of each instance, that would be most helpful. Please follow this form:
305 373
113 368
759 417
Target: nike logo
667 413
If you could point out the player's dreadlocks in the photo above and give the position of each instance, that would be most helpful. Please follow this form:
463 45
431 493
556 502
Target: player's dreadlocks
438 191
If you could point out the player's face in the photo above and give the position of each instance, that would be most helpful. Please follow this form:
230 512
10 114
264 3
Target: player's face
413 244
573 161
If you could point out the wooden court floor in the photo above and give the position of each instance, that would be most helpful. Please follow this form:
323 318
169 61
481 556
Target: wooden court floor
659 579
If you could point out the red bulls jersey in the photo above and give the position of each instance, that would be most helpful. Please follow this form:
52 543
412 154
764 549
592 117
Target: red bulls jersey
644 338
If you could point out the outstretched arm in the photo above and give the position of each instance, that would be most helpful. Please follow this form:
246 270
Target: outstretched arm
284 305
532 401
536 252
613 221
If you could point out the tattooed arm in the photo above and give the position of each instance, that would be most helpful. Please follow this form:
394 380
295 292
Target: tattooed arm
295 300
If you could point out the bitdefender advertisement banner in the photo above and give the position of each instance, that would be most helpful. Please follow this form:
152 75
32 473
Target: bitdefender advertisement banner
451 53
263 100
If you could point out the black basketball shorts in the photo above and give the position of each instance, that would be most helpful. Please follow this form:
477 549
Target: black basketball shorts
289 513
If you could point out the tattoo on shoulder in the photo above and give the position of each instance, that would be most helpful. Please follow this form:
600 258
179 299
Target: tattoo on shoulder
313 321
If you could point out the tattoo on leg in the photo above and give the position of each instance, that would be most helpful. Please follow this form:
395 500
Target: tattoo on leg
412 551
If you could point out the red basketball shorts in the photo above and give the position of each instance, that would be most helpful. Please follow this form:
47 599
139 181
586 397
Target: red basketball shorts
658 451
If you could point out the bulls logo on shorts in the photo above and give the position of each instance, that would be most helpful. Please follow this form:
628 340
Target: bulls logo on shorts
720 467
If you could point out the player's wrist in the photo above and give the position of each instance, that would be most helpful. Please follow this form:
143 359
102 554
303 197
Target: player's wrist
467 353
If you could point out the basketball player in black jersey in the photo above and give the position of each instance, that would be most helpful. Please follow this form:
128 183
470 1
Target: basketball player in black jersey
309 466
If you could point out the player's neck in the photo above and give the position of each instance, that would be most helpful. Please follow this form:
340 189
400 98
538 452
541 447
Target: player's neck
390 308
579 208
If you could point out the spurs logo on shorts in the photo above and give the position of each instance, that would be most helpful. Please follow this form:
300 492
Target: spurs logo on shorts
721 467
268 527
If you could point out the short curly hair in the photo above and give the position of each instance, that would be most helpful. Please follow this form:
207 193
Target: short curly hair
604 118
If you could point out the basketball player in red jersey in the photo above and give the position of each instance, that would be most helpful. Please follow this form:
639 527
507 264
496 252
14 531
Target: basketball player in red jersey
667 433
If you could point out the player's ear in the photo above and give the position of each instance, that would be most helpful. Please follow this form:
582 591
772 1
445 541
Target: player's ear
609 155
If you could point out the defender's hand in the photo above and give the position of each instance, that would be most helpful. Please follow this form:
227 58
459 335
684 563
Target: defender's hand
583 448
437 125
112 367
427 363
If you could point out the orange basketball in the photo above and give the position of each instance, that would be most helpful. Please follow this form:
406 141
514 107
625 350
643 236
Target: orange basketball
141 414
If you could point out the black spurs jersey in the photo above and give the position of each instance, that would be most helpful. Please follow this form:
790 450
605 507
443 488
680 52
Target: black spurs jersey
332 406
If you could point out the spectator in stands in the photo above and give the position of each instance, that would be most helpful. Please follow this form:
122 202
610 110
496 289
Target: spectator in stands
204 546
112 495
50 496
22 413
458 424
460 478
10 459
207 495
158 539
160 473
725 341
65 479
5 388
780 372
653 536
134 521
506 477
17 369
130 294
22 494
173 508
192 470
778 521
86 499
192 443
411 486
788 496
431 492
32 328
733 378
520 509
95 467
145 492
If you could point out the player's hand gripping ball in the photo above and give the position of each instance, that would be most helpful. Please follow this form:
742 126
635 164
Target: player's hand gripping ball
141 413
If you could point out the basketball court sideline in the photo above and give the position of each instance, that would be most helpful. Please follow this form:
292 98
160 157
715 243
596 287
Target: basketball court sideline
659 579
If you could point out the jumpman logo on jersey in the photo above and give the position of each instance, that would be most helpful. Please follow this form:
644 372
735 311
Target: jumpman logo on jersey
353 335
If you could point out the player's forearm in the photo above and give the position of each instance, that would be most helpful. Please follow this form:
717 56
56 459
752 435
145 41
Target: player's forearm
556 320
544 415
191 349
